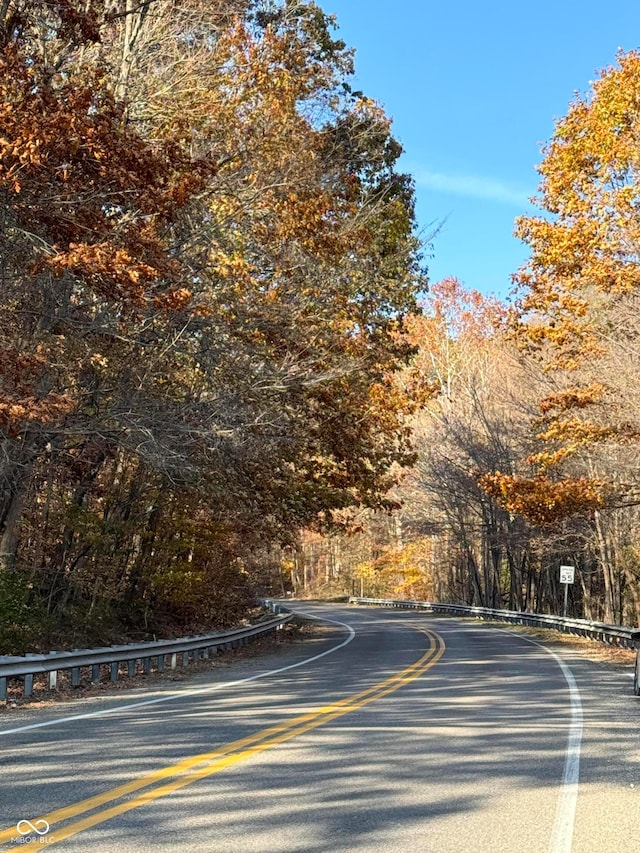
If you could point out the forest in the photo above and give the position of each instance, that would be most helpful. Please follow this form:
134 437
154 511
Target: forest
224 372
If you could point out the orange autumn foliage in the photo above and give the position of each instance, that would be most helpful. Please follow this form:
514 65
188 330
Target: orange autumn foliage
542 500
587 245
583 268
208 246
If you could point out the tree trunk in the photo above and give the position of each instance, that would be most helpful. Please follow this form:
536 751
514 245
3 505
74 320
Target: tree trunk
611 610
16 485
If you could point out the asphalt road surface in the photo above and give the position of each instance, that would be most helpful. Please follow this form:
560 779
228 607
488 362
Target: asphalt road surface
389 731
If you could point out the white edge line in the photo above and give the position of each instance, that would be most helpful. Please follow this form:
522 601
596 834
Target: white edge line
562 835
182 694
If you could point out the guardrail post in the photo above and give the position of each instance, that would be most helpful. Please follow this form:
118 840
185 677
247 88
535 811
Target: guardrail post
160 660
131 668
75 676
173 661
53 679
28 684
95 672
3 689
146 665
115 666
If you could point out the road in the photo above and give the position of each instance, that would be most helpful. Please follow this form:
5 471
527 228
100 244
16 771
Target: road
389 731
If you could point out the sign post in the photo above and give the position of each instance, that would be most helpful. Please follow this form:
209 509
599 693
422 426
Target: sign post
566 577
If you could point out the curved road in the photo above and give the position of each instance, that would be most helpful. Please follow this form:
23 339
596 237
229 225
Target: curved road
389 731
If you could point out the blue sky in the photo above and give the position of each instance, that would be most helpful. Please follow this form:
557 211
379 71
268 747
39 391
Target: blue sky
473 90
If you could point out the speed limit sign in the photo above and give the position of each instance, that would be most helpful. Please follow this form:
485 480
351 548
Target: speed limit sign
566 574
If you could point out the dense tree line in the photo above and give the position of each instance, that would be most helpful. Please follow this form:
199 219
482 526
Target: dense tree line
215 377
527 444
206 256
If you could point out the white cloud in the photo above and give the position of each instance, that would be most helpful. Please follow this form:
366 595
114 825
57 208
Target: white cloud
473 186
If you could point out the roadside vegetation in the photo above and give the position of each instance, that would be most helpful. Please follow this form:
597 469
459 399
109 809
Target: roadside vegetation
527 443
207 252
220 375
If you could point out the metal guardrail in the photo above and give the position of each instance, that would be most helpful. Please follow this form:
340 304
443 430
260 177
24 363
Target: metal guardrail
200 647
612 634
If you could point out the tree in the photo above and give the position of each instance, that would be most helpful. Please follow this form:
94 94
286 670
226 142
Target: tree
205 277
85 239
576 314
581 279
476 424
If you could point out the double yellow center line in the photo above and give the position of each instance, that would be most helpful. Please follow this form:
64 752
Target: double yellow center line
197 767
